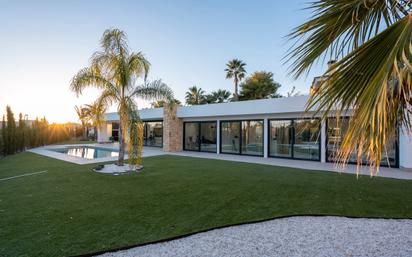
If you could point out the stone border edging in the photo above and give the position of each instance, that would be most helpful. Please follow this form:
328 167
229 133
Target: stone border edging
227 226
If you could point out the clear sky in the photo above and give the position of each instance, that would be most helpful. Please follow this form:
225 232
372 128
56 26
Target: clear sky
44 43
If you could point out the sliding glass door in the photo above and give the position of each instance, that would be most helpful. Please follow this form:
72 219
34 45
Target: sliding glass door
307 139
230 137
200 136
154 133
336 131
191 136
242 137
280 144
208 137
295 138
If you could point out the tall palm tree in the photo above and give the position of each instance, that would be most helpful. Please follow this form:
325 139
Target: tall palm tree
195 96
372 39
114 71
95 113
84 120
235 69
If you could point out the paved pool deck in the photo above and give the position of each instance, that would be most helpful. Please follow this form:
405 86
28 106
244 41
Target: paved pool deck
155 151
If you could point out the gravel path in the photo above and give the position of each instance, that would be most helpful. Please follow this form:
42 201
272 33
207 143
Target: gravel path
295 236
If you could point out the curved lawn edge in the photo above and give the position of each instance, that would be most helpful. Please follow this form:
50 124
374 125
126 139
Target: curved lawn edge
167 239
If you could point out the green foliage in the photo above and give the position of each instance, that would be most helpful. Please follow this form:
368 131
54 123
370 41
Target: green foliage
114 71
161 103
71 211
11 137
259 85
235 69
3 136
17 139
195 96
373 75
219 96
81 112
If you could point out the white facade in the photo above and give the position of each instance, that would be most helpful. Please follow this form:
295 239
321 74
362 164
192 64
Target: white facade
266 109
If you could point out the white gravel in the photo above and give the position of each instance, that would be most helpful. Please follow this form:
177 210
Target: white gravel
295 236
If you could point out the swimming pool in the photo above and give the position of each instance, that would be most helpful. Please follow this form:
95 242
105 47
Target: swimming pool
87 152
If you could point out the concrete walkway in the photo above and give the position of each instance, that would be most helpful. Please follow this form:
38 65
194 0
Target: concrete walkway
155 151
299 164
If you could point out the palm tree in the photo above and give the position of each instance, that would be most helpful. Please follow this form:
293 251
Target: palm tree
235 69
161 103
95 113
195 96
372 39
114 71
84 120
219 96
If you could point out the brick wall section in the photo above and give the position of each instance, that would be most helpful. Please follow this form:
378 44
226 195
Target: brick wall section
172 130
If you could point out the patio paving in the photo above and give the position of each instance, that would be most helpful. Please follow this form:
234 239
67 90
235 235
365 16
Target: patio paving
155 151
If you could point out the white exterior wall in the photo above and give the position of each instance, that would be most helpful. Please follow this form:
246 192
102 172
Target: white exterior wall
104 133
405 149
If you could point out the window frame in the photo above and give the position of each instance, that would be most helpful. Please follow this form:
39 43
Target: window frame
241 137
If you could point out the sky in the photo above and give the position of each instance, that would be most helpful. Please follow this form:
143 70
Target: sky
44 43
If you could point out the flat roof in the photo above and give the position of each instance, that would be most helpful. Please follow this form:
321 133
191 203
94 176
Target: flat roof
284 105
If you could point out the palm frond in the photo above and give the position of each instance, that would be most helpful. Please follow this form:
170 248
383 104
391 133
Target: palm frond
155 90
115 41
88 77
336 28
138 65
374 81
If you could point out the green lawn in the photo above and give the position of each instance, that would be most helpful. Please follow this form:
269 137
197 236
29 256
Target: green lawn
71 210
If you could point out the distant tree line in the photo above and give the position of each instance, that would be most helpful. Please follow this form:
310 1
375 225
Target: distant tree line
259 85
17 136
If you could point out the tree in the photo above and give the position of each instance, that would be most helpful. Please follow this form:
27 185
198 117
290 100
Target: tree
10 140
84 120
21 133
115 71
219 96
372 39
3 135
235 69
259 85
161 103
96 114
195 96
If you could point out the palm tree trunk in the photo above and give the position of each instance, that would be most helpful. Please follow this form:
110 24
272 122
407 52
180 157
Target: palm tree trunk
236 90
120 160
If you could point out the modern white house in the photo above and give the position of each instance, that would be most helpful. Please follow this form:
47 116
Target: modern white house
268 128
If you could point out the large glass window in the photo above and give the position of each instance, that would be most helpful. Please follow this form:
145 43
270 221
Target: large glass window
154 133
280 136
242 137
208 136
200 136
252 137
336 130
191 137
307 138
115 131
298 139
230 137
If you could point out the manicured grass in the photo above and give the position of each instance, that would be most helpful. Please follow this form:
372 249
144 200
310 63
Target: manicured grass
71 210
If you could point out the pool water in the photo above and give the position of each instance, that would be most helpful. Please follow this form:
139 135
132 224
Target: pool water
87 152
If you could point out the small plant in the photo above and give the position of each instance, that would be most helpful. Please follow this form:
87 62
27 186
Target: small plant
99 167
